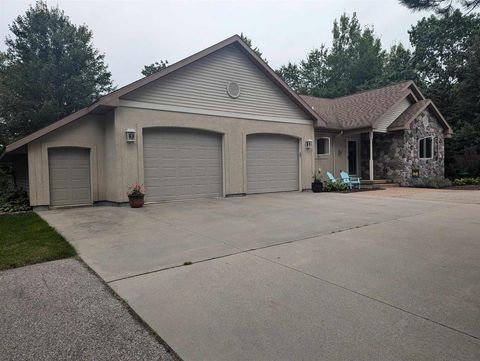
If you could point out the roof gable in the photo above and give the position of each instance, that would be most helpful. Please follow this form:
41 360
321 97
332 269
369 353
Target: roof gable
409 115
112 99
201 86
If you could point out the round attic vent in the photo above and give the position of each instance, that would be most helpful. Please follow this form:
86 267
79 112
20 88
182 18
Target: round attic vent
233 89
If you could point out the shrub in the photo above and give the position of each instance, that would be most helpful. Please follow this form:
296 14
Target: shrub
467 181
334 187
430 182
12 198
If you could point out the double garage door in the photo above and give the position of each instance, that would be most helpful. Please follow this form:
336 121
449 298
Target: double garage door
186 163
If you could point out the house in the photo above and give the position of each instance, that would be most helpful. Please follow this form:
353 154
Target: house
388 133
222 123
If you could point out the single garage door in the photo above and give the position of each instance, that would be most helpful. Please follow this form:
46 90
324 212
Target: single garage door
182 164
272 163
69 170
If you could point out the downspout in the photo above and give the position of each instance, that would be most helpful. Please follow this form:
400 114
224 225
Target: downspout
335 151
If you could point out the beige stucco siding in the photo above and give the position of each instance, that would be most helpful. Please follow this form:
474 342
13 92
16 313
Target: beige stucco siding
115 163
336 161
234 132
87 132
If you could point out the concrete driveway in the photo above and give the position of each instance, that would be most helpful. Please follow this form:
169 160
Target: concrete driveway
296 276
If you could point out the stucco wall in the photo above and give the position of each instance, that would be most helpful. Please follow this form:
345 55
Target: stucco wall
396 153
129 159
336 161
87 132
115 163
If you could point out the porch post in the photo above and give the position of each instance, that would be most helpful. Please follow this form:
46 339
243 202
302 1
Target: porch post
370 170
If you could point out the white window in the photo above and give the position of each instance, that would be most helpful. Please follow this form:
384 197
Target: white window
425 148
323 145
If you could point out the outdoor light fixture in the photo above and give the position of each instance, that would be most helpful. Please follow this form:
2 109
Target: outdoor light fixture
308 144
131 135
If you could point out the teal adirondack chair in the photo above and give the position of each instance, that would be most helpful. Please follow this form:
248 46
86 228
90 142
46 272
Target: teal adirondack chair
331 178
350 182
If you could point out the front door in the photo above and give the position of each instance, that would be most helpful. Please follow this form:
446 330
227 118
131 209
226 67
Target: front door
352 157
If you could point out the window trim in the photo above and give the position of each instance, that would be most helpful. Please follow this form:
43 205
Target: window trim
432 148
316 147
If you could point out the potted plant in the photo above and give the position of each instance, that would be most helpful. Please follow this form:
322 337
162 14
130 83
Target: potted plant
317 184
136 195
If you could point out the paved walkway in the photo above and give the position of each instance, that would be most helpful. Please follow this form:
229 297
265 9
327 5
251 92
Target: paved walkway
296 276
60 311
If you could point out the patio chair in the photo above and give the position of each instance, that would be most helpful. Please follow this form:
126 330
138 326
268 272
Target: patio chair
331 178
349 181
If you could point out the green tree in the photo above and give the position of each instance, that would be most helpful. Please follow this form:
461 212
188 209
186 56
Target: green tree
154 67
356 58
398 66
249 43
446 56
440 6
354 62
441 48
49 70
314 72
290 73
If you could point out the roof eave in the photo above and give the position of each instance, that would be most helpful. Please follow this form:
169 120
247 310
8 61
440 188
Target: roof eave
448 131
54 126
111 100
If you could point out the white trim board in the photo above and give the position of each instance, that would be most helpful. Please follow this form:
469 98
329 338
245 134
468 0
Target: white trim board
169 108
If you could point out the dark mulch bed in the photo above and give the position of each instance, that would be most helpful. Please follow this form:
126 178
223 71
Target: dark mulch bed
355 190
469 187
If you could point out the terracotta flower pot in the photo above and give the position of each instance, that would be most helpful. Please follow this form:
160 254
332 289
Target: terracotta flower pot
136 202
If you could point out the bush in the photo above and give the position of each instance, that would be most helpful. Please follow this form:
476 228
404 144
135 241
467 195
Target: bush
12 198
430 182
334 187
467 181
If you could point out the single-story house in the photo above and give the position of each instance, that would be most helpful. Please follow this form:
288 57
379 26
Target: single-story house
221 123
390 133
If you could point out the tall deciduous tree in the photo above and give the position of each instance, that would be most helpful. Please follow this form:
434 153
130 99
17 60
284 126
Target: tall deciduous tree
354 62
154 67
398 66
441 48
49 69
356 58
249 43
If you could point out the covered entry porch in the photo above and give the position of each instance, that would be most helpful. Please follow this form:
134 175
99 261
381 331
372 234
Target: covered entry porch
355 152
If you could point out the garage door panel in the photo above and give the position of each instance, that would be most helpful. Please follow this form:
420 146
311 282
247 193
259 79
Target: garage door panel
272 163
69 176
182 164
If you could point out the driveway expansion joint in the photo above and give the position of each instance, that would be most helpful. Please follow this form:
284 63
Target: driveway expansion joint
369 297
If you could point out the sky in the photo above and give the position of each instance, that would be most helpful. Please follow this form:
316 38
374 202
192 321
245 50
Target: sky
133 33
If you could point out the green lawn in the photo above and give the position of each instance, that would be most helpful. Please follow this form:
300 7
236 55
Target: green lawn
26 238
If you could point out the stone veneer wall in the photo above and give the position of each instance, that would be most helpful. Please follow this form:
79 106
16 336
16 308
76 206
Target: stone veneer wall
396 153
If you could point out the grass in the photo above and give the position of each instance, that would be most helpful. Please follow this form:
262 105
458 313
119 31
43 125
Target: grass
26 239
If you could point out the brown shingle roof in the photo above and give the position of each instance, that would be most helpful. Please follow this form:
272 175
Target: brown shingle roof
360 110
404 120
